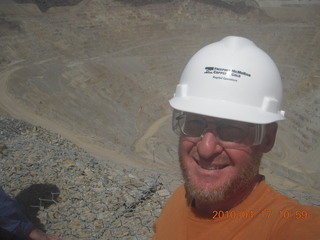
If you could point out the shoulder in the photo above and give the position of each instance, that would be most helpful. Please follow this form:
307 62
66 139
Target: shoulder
269 196
171 215
177 198
299 222
284 205
293 220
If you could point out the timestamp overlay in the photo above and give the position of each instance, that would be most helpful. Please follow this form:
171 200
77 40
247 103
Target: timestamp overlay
266 214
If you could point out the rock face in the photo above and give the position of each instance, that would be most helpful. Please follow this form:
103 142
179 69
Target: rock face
99 73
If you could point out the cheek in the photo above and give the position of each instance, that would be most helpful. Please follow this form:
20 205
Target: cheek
185 147
185 151
242 161
246 161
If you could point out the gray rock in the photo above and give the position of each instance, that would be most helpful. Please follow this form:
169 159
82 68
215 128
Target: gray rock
92 198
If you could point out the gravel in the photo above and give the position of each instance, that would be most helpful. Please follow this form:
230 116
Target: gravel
67 192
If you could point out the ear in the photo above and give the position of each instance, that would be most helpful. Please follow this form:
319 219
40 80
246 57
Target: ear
270 137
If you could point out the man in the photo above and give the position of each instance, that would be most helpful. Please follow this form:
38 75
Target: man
225 111
14 225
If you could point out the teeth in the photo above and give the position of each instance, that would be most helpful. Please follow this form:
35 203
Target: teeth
211 167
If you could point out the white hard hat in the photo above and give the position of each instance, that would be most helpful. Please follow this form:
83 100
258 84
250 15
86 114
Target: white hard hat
231 79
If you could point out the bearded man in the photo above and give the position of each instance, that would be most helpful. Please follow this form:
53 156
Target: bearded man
226 109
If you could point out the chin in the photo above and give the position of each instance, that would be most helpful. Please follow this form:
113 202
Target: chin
207 191
216 190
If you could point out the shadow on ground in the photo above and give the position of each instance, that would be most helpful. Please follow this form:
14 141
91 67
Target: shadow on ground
35 197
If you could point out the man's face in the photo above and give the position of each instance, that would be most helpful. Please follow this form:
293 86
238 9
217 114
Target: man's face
214 173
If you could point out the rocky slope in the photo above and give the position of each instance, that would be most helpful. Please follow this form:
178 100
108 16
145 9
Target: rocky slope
74 195
100 72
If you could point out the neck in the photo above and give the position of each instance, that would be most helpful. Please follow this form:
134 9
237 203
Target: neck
205 209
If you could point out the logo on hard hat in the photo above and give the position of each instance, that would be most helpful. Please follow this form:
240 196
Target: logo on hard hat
225 73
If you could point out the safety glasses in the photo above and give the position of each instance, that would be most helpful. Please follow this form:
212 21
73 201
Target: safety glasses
230 134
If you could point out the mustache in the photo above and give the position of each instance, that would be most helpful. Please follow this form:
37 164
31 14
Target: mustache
220 159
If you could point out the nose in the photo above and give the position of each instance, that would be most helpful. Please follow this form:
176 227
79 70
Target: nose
209 146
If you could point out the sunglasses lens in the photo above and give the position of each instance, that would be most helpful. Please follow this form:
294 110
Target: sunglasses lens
231 134
192 127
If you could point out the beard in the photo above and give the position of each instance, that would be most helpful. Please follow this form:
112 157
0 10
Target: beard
211 194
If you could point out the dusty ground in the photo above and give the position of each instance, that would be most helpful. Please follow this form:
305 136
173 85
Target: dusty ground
100 73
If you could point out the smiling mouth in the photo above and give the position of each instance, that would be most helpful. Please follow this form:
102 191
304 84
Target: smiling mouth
209 167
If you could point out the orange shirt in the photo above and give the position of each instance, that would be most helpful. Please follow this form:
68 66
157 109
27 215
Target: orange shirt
265 214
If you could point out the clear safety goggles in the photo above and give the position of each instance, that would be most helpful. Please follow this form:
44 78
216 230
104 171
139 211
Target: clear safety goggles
229 134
